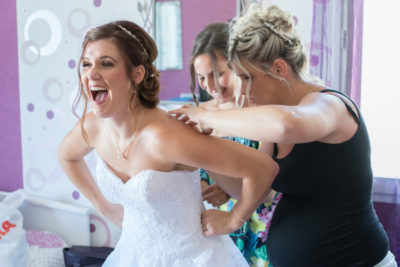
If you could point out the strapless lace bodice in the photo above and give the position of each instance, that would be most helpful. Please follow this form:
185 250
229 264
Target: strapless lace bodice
161 225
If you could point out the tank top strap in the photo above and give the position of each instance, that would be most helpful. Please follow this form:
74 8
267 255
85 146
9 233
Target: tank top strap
275 150
355 116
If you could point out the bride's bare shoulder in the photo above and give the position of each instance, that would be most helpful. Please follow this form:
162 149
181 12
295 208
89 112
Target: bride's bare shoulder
164 128
162 123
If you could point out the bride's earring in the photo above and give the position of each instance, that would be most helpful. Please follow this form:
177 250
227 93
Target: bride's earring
134 88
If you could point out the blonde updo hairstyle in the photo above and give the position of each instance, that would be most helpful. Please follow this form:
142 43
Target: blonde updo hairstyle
264 34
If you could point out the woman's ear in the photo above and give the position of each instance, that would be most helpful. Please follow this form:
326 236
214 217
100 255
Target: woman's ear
137 74
280 67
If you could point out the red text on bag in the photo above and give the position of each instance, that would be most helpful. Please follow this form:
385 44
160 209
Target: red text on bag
6 226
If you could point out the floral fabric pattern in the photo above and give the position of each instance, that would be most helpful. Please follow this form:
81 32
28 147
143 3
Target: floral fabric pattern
252 236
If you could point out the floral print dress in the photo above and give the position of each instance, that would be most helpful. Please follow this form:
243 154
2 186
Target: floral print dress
252 236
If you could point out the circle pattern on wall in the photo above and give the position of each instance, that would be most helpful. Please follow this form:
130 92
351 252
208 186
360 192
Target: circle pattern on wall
81 17
28 46
55 31
52 89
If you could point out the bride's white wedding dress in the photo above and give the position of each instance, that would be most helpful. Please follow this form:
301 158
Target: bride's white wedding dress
161 225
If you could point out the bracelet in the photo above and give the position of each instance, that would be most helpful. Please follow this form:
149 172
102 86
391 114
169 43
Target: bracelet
237 217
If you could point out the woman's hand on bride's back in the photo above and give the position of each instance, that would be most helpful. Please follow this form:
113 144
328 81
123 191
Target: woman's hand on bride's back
190 115
217 222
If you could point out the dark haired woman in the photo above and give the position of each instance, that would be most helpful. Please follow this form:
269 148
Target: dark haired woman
209 64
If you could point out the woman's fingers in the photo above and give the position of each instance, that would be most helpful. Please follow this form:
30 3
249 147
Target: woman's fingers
215 222
208 190
205 224
214 195
180 111
192 124
209 193
177 112
183 118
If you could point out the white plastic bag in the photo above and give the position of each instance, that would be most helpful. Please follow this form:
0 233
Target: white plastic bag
14 249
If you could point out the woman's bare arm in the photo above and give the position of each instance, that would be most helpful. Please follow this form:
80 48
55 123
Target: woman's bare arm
315 117
182 145
71 153
233 186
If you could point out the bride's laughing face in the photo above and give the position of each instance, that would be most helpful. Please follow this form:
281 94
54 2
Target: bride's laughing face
104 77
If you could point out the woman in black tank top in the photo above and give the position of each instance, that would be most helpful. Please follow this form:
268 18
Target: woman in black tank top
325 216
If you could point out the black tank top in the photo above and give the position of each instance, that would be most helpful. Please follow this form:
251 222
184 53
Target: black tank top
326 216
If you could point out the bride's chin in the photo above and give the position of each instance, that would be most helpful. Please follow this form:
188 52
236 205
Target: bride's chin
98 112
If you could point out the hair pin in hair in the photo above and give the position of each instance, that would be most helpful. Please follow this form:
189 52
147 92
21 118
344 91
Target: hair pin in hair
233 49
271 26
134 37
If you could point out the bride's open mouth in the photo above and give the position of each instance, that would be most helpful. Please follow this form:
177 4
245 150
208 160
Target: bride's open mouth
98 94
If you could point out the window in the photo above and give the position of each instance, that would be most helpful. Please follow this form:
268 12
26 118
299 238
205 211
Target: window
380 90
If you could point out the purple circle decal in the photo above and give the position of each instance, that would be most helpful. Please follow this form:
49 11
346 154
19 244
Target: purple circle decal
71 64
75 194
314 60
97 3
50 114
92 228
31 107
94 217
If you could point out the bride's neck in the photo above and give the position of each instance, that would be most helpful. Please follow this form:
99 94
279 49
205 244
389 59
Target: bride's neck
124 125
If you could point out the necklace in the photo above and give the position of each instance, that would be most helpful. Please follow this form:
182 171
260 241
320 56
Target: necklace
131 142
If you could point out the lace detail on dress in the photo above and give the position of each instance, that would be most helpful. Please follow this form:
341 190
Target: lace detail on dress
161 224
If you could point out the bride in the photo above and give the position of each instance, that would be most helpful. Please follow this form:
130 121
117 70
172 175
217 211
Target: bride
147 176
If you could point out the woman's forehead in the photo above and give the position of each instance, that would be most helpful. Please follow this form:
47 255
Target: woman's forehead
103 47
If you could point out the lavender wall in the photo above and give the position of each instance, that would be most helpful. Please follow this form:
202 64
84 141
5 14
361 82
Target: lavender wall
10 133
389 216
195 15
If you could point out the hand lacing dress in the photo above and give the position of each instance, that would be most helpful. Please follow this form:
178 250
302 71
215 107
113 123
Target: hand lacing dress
161 225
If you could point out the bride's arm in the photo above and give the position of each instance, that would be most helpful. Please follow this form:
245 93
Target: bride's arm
233 186
71 153
181 145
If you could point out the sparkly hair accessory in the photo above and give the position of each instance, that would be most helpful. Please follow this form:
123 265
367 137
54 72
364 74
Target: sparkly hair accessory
271 26
233 49
134 37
